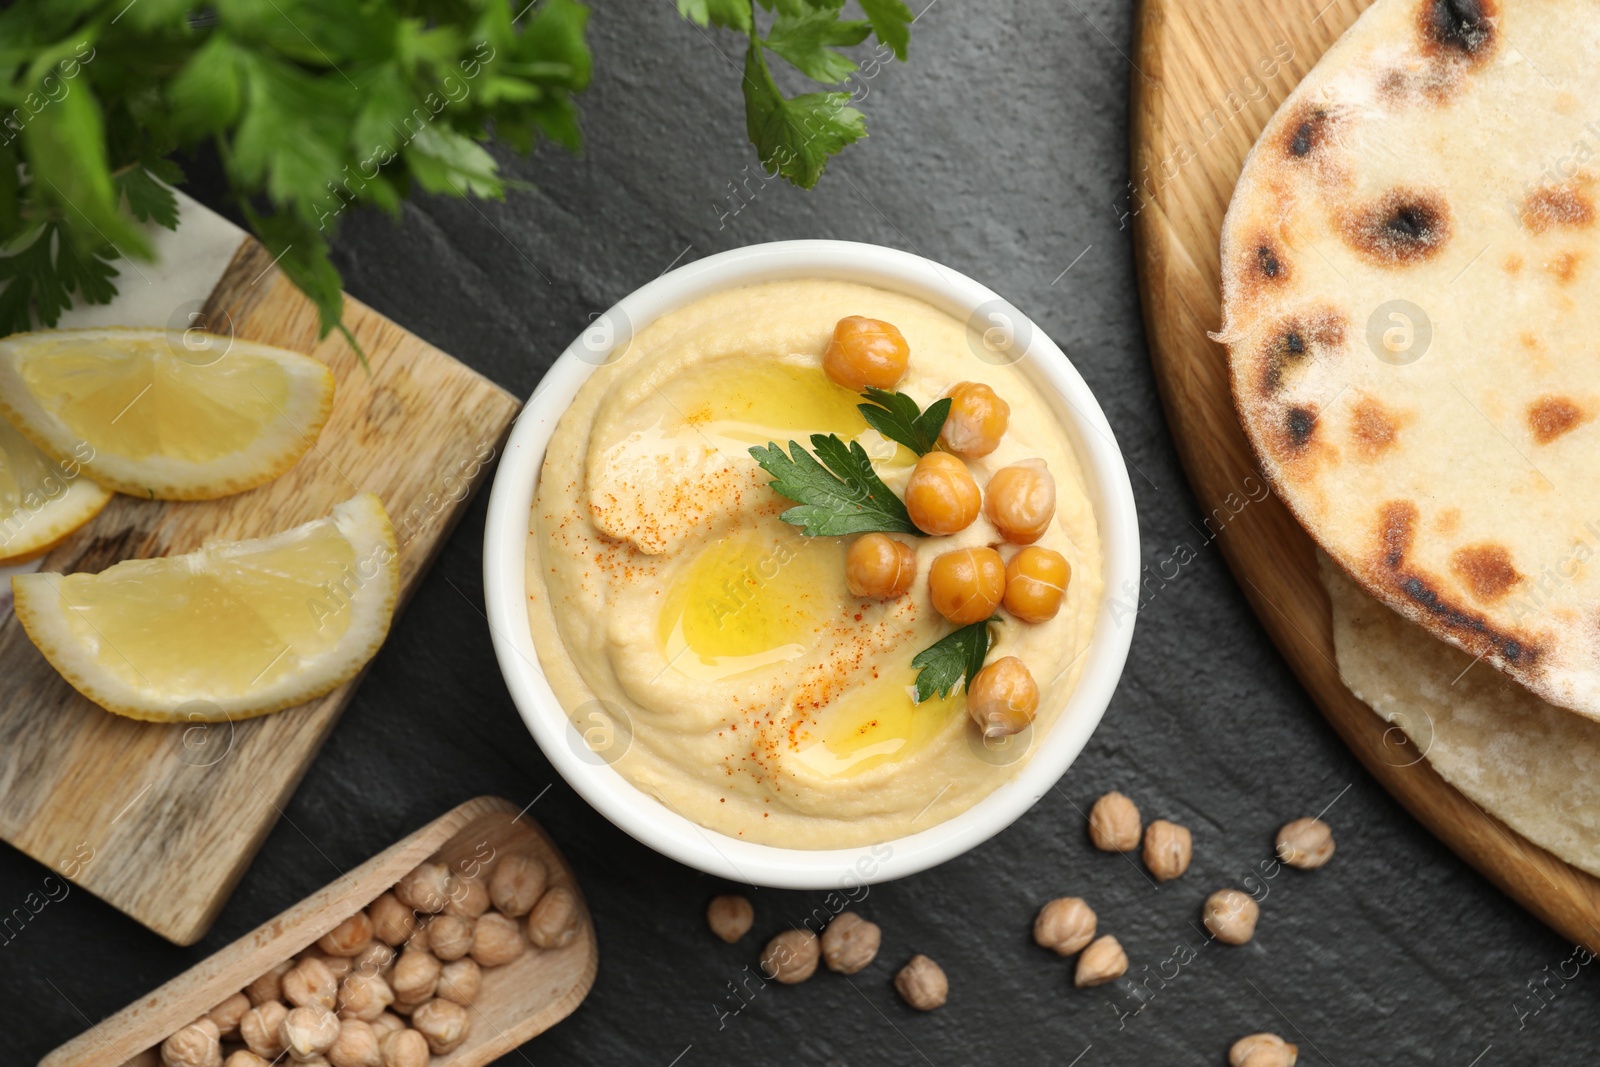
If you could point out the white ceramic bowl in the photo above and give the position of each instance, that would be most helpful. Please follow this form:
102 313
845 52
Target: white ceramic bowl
1010 336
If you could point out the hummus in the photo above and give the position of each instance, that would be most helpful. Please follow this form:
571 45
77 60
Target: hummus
710 651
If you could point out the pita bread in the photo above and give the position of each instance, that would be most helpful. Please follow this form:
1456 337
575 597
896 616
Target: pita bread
1412 319
1534 766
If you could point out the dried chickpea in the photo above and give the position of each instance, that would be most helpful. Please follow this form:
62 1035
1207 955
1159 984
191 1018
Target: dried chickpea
1036 580
310 984
392 922
730 916
226 1015
866 352
260 1029
553 922
966 585
443 1023
405 1048
1103 961
850 943
1064 925
241 1058
386 1024
1262 1050
364 997
349 937
1305 843
517 884
922 984
338 966
1114 823
460 981
1167 849
1003 697
374 960
469 897
414 976
419 936
791 956
497 940
1021 501
309 1032
268 986
426 888
450 937
976 422
357 1046
1231 916
196 1045
879 567
941 495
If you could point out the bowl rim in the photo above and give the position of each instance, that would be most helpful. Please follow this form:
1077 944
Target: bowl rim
643 816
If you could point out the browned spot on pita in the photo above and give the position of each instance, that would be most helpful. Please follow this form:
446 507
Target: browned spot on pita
1462 29
1299 423
1513 263
1557 205
1310 333
1397 530
1447 521
1373 428
1402 226
1563 266
1306 131
1551 416
1528 341
1485 569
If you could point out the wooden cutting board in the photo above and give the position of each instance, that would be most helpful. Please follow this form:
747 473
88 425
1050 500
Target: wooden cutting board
161 820
1208 75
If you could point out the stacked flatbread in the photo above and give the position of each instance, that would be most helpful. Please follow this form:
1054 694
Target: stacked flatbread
1412 312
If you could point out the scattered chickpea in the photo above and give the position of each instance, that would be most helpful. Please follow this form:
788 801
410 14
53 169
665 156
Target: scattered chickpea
1231 916
226 1015
1305 843
268 986
1114 823
450 937
1021 500
469 897
309 1032
259 1029
442 1023
866 352
196 1045
517 884
460 981
241 1058
364 997
1262 1050
1103 961
941 495
850 943
392 921
405 1048
730 916
357 1046
414 976
1064 925
922 984
553 923
374 961
386 1024
879 567
977 420
310 984
1167 849
966 585
1036 580
1003 698
791 956
425 888
349 937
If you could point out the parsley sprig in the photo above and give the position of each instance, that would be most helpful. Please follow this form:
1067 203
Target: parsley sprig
836 490
898 418
956 656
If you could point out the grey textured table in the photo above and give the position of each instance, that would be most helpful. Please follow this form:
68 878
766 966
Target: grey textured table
1000 150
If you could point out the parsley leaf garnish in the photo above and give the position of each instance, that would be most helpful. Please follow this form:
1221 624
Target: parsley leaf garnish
805 40
794 137
898 418
837 490
957 655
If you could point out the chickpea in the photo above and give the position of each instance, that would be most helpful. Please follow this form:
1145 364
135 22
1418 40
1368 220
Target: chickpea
1231 916
269 986
442 1023
309 1032
1003 698
374 961
386 1024
450 937
941 495
1036 580
730 916
392 921
469 898
226 1015
310 985
241 1058
349 937
260 1029
405 1048
196 1045
1103 961
460 981
338 966
1262 1050
364 997
517 884
850 943
554 921
966 585
791 956
497 940
879 567
866 352
357 1046
976 422
414 977
1021 501
922 984
1065 925
426 888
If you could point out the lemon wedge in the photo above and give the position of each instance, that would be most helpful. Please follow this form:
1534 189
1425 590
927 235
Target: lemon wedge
232 630
41 500
165 414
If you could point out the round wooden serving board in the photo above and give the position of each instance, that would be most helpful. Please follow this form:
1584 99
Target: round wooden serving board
1208 75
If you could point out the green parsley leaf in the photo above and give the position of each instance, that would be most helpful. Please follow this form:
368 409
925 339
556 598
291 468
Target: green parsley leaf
806 40
147 198
794 137
43 270
957 655
898 418
838 491
731 14
891 22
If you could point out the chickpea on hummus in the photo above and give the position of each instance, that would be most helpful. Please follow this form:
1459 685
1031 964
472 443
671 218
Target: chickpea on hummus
758 671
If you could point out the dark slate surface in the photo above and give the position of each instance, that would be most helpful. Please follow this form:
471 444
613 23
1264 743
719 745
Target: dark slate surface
1001 151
